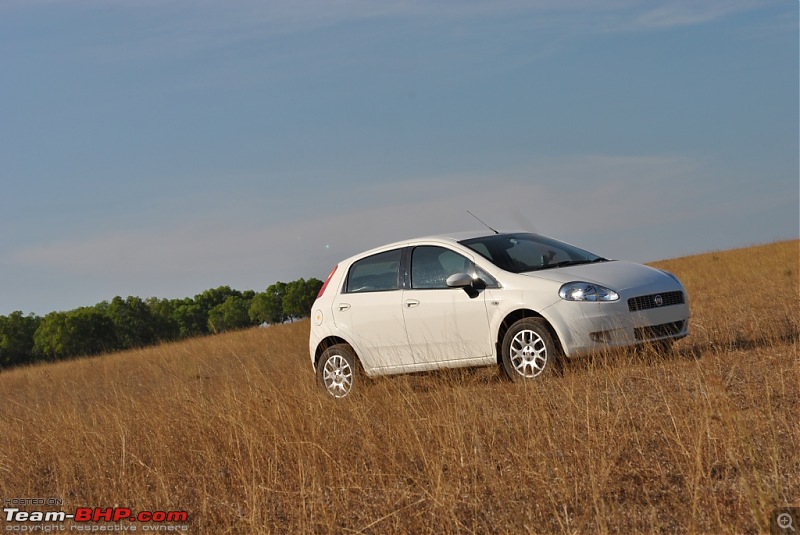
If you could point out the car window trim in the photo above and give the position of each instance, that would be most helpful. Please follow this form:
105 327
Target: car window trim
346 283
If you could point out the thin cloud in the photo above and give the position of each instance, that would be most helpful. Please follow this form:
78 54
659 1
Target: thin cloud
560 197
691 13
187 28
637 208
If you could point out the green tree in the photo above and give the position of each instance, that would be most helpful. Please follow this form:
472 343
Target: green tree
162 311
133 320
258 308
232 314
48 340
203 303
300 296
83 331
190 317
16 338
268 306
215 296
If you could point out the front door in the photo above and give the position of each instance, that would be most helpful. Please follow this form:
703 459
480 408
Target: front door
442 323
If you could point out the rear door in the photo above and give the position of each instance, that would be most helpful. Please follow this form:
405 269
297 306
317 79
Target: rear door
368 309
442 323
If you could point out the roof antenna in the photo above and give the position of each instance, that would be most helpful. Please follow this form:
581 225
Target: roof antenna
484 224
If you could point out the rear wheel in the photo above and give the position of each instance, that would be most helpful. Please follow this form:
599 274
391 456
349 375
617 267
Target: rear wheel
337 371
528 350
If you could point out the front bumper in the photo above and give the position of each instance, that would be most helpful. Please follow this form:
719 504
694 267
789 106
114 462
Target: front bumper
585 327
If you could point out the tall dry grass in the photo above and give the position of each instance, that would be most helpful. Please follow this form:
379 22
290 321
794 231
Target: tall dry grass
232 429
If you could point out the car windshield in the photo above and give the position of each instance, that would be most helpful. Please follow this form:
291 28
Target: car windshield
523 252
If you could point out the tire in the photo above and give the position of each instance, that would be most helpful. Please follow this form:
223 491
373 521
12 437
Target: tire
337 371
529 351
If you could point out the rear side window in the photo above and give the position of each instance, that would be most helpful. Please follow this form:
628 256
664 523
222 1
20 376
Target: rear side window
375 273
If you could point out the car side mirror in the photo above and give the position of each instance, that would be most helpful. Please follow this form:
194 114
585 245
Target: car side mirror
459 280
462 280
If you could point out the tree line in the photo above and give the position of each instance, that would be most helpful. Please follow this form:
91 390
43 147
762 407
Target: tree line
134 322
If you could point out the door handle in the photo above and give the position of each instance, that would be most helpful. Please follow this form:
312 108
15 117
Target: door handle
411 303
344 306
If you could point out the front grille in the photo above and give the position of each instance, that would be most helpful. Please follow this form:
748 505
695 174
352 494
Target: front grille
644 302
659 331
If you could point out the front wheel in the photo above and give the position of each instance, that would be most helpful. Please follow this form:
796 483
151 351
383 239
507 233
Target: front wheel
337 371
528 350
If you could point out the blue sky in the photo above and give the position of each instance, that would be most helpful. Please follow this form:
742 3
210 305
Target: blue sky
163 147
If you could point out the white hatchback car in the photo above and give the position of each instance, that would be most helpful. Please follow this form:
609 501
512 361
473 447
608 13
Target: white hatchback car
519 300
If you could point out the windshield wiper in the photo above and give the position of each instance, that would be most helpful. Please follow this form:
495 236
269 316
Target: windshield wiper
565 263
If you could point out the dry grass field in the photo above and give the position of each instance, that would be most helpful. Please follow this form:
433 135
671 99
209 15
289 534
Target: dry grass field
231 429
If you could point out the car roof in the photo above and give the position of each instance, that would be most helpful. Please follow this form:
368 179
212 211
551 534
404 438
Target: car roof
461 235
467 235
452 237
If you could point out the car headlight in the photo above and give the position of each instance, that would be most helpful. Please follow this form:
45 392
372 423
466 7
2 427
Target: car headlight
586 291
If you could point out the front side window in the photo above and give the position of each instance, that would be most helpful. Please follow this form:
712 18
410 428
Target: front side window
430 266
375 273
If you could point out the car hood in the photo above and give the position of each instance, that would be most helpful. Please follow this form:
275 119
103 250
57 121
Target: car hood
616 274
